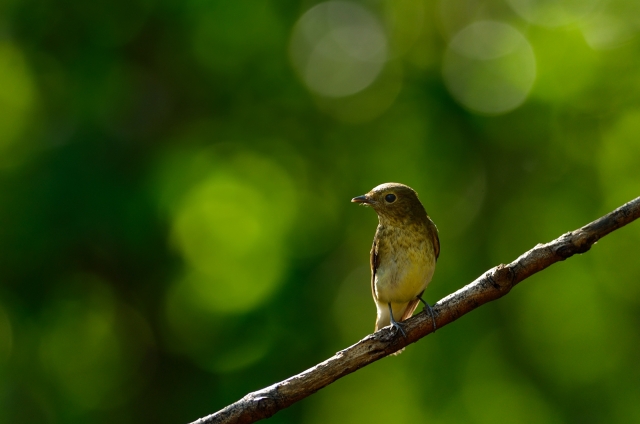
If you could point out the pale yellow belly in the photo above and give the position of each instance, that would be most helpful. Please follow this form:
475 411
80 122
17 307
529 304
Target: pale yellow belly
402 279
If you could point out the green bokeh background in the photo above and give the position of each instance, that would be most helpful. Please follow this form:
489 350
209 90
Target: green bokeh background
176 231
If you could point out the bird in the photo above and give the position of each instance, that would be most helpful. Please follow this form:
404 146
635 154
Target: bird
404 253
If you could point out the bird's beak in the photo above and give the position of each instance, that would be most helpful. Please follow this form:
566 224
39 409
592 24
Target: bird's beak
361 199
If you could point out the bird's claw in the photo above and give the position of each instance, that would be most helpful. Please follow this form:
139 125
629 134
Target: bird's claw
399 328
428 308
395 324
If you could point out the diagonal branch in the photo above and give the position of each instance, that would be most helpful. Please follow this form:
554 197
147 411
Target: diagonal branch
492 285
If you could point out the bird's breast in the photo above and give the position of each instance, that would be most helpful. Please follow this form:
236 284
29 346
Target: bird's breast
406 265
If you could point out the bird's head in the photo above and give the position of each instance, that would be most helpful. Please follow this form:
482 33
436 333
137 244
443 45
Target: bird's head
393 201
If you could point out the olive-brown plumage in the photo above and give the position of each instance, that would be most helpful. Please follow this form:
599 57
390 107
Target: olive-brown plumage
404 252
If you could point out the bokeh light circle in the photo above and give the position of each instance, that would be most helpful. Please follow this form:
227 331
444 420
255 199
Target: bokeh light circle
552 13
338 48
611 24
230 228
489 67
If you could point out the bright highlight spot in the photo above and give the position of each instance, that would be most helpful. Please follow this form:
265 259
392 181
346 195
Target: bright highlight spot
369 103
230 229
552 13
338 48
489 67
612 24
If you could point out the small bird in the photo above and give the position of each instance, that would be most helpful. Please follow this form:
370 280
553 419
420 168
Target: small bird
404 253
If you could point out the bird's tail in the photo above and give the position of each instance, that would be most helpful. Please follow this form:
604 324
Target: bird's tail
408 311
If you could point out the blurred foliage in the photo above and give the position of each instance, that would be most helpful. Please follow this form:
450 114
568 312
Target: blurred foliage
175 224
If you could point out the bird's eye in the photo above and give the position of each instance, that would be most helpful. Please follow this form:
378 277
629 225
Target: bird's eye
390 198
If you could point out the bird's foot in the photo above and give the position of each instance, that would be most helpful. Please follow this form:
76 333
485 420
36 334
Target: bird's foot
395 323
399 328
430 309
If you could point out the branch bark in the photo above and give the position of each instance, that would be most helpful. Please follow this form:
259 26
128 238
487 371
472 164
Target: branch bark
492 285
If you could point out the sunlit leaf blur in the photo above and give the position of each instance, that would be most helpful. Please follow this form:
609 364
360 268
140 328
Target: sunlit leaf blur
175 219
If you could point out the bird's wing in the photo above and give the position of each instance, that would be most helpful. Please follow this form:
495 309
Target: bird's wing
374 262
435 240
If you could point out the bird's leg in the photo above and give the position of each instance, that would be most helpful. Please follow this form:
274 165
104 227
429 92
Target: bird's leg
395 324
430 309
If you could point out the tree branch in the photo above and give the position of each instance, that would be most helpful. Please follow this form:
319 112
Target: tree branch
492 285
